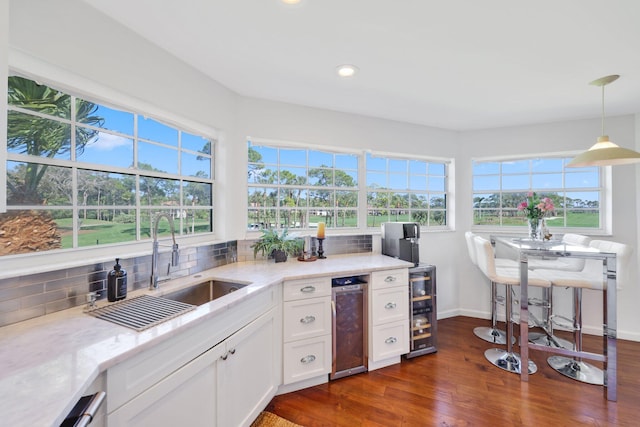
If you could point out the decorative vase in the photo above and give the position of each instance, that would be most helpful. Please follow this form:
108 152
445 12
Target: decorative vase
279 256
535 228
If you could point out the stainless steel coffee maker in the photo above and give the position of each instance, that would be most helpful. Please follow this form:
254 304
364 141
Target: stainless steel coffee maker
400 240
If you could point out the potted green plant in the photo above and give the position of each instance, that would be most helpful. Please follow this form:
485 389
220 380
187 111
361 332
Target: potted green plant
277 245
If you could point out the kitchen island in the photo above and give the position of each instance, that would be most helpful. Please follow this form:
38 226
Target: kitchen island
49 362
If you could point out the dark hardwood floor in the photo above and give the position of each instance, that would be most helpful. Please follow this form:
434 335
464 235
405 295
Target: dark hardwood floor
457 387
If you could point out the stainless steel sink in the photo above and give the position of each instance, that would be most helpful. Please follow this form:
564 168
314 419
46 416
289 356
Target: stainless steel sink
204 292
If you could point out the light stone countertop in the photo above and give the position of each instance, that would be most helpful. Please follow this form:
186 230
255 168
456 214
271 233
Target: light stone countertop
47 363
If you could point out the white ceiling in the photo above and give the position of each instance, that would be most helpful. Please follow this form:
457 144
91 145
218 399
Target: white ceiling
454 64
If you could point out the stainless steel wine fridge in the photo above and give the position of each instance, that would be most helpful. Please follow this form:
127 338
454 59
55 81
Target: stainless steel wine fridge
422 298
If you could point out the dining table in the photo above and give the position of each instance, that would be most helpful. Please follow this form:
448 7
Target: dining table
526 248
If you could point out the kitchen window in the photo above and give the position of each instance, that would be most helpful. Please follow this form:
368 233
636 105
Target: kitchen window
91 174
578 194
401 189
296 187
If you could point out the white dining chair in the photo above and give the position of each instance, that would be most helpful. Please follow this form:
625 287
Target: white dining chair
507 359
489 333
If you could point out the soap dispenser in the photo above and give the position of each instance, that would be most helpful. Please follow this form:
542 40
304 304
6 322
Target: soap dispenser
117 283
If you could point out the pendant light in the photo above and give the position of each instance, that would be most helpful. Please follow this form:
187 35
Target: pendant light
605 152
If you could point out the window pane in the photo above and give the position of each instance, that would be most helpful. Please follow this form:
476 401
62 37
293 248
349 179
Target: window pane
36 136
321 177
265 155
347 199
107 118
159 191
346 218
515 182
27 94
376 180
262 197
398 181
321 198
547 165
583 179
519 166
346 161
417 167
293 176
106 226
155 157
106 189
155 131
485 168
376 163
547 180
398 166
436 184
106 149
418 182
37 184
320 158
195 143
197 193
346 178
293 157
491 182
193 165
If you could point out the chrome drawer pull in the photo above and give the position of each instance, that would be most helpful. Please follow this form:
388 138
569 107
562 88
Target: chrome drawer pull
308 359
390 279
391 340
390 305
308 289
308 319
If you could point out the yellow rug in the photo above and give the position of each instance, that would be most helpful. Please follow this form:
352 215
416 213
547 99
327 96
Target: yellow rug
267 419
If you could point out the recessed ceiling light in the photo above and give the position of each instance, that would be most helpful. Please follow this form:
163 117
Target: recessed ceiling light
290 1
346 70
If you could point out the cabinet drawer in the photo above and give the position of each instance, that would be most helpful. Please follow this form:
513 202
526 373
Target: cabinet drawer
390 305
387 278
389 340
306 288
306 359
307 318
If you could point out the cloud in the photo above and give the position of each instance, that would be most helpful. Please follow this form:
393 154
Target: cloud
107 142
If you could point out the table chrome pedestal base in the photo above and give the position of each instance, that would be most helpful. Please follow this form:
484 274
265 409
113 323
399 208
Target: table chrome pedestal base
508 361
577 370
544 339
492 335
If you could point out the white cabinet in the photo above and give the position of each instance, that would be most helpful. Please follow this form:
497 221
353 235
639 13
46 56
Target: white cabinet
306 329
248 374
222 372
388 317
186 397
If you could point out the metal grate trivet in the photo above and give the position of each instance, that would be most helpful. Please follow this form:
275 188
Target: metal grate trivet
142 312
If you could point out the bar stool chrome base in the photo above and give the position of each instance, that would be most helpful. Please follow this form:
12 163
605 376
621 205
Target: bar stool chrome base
492 335
508 361
556 342
577 370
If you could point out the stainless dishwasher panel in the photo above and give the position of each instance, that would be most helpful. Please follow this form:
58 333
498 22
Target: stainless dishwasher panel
349 308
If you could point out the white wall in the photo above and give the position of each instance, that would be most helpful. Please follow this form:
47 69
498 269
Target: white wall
85 43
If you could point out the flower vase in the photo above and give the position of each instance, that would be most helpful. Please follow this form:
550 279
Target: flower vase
535 229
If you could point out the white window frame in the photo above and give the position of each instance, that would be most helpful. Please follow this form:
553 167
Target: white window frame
606 196
25 65
362 184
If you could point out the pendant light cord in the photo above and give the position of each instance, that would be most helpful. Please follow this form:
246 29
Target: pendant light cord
603 110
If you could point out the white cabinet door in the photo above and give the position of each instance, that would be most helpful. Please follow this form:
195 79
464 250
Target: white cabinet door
307 318
248 373
390 305
388 340
187 397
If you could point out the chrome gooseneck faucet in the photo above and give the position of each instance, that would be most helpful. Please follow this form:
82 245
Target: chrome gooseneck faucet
153 283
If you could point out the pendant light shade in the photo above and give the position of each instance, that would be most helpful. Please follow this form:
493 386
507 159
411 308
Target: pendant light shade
605 152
